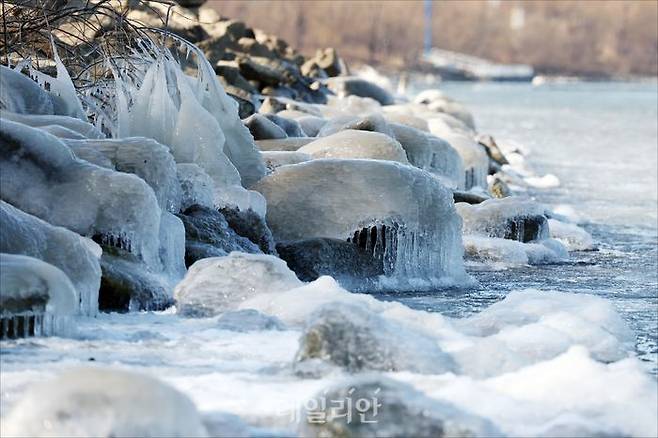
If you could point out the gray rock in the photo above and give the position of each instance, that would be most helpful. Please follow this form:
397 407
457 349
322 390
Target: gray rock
493 151
376 406
264 128
371 122
355 339
527 228
248 320
208 234
291 127
250 225
353 86
468 197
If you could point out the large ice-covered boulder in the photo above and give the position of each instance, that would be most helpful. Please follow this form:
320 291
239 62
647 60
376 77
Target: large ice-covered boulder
103 402
35 298
275 159
398 213
77 256
352 143
354 338
215 285
373 405
75 127
475 158
348 85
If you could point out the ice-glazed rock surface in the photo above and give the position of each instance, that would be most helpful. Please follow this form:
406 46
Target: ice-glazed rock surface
215 285
430 153
76 256
145 158
196 186
35 298
496 252
262 128
84 129
352 143
274 159
372 405
514 218
357 339
373 122
41 176
476 161
438 102
409 215
353 86
251 225
103 402
285 144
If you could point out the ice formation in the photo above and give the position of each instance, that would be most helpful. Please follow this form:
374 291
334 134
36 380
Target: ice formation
290 144
214 285
402 215
77 256
351 143
196 186
103 402
77 126
274 159
36 298
572 236
500 253
476 161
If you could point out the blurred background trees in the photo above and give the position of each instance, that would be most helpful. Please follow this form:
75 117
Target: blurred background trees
555 36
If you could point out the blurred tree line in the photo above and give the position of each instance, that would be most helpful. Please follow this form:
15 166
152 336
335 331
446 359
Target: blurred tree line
555 36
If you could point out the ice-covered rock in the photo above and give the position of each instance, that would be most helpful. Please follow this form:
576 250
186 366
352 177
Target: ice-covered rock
36 298
572 236
103 402
290 126
248 320
373 122
511 218
143 157
76 256
356 339
77 126
476 161
251 225
430 153
404 118
290 144
348 85
41 176
497 252
311 124
401 213
436 101
275 159
352 143
196 186
373 406
215 285
208 234
262 128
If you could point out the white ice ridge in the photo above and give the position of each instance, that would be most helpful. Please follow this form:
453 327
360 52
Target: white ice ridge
36 298
418 230
77 256
51 183
192 115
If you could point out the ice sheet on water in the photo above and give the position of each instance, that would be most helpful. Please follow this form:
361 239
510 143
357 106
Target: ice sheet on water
416 228
77 256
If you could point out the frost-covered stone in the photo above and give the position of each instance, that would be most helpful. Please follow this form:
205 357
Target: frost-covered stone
504 252
430 153
311 124
208 234
476 161
145 158
508 218
248 320
196 186
251 225
291 127
336 198
406 119
40 175
274 159
347 86
373 406
436 101
77 126
103 402
372 122
284 144
215 285
76 256
262 128
356 339
35 298
356 144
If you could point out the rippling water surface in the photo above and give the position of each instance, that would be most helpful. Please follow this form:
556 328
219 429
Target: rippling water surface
601 141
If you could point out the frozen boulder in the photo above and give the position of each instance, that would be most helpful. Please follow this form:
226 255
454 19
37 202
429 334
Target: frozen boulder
145 158
248 320
82 128
406 119
476 161
356 339
35 298
291 127
311 124
262 128
215 285
572 236
208 234
409 215
511 218
372 122
356 144
285 144
103 402
430 153
275 159
76 256
250 225
373 406
347 85
436 101
196 186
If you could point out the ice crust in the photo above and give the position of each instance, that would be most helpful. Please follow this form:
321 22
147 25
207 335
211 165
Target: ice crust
351 143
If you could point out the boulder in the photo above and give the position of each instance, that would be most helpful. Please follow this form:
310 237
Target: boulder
291 127
372 122
250 225
290 144
374 406
493 151
275 159
263 128
356 144
349 85
357 339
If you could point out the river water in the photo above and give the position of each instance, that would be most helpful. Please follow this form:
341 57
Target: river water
601 141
